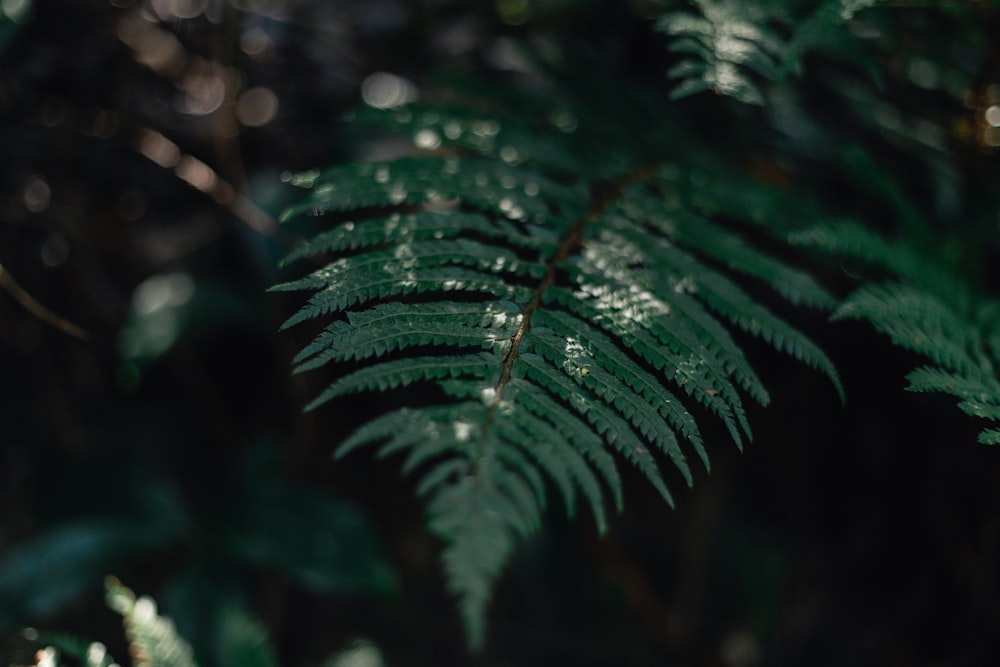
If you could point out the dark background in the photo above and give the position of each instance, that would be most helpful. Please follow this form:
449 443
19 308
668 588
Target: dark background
168 447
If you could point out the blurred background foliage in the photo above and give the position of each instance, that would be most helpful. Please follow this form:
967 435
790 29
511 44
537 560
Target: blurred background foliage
151 429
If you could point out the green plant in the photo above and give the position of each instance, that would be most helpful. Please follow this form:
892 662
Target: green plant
153 640
567 280
561 303
928 310
727 37
546 271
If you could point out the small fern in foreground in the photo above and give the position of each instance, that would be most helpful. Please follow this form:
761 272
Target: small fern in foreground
928 311
152 639
569 310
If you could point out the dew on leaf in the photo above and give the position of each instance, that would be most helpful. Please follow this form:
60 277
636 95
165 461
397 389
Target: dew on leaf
397 194
564 120
427 139
685 285
486 128
453 129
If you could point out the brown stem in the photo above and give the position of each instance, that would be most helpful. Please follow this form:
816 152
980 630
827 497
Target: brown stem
8 283
570 243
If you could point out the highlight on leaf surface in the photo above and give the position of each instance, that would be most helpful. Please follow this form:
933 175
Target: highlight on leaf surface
559 314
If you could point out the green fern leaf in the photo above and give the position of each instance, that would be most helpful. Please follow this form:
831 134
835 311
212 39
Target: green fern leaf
916 321
391 326
851 240
990 436
153 640
931 312
728 40
403 372
701 234
557 304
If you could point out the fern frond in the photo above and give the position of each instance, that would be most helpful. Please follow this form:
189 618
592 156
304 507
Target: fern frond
928 310
989 436
391 326
478 523
556 304
721 41
728 41
153 640
714 242
363 287
915 320
420 226
851 240
573 430
693 373
920 321
622 369
490 186
722 296
404 372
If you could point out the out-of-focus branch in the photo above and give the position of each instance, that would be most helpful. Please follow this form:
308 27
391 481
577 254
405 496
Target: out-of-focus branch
8 283
196 173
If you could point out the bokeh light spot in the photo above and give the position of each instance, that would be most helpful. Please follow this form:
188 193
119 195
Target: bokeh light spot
54 251
256 43
991 137
162 291
171 10
427 139
993 116
159 149
196 173
204 94
15 10
383 90
37 195
257 107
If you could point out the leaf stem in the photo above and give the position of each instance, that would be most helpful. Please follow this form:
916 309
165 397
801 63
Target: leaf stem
604 197
29 303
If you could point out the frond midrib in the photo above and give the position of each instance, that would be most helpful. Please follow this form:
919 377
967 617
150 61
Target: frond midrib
568 246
